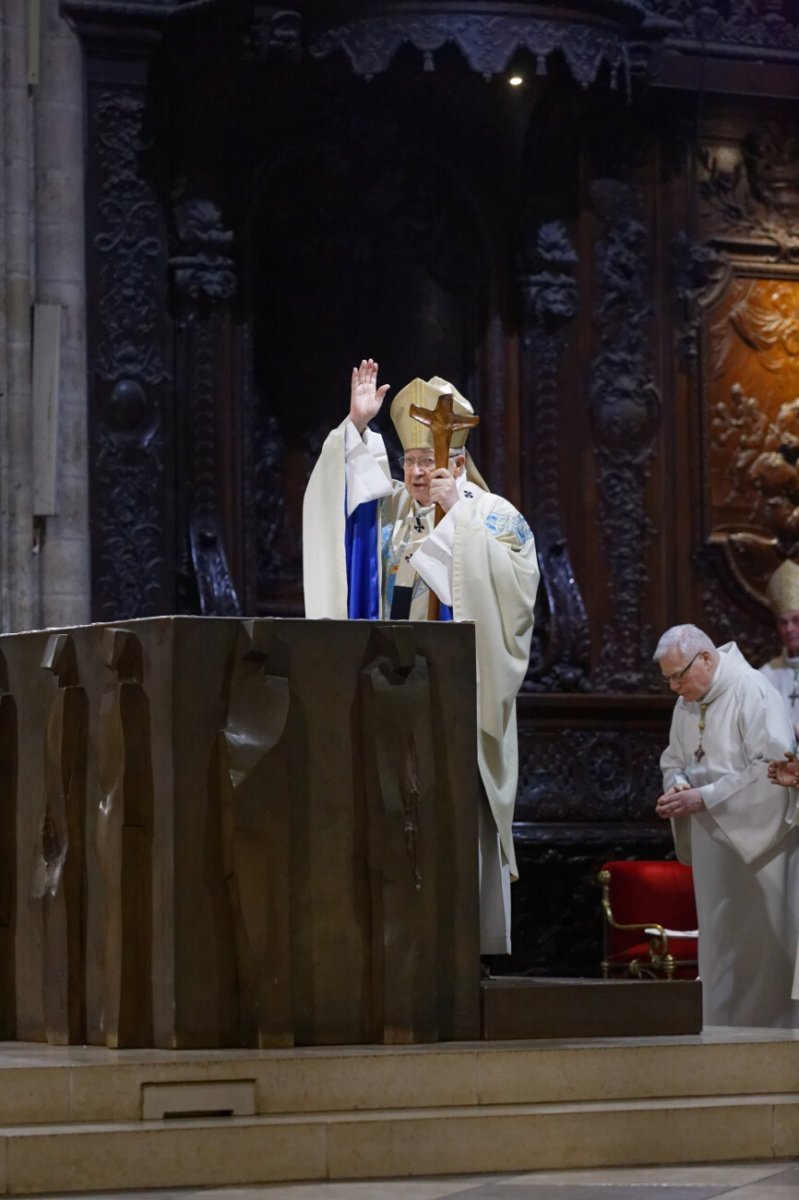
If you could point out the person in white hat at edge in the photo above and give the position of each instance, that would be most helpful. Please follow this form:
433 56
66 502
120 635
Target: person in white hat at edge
782 672
480 560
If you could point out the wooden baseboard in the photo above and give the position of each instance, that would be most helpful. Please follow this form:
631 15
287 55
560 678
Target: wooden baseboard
517 1008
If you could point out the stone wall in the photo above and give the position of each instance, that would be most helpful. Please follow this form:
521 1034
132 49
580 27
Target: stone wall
43 559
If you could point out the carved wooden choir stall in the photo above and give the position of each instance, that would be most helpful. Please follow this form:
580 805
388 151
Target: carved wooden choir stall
603 258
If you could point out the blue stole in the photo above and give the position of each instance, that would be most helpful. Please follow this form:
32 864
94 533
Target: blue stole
363 574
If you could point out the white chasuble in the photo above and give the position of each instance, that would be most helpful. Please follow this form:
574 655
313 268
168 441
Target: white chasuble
783 674
481 562
744 849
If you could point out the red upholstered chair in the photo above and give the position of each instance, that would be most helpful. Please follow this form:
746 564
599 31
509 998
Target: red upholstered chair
650 925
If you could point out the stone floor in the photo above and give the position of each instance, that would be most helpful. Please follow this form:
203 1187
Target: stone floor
741 1181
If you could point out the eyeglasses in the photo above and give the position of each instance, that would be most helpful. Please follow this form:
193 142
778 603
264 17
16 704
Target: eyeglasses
678 675
411 464
424 464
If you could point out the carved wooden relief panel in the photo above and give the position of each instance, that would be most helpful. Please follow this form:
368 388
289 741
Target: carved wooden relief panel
748 192
753 400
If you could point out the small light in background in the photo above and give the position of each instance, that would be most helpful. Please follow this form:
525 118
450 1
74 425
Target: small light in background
515 80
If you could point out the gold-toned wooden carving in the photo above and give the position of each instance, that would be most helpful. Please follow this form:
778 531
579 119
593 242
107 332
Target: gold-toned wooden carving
753 383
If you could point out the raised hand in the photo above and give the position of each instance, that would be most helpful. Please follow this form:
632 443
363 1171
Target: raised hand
365 396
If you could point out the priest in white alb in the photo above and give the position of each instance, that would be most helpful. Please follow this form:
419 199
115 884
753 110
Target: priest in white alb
782 593
735 828
371 550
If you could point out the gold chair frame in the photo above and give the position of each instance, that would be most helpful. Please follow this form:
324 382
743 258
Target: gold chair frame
661 963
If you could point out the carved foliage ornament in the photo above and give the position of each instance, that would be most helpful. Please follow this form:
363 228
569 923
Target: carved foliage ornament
128 451
550 293
202 266
750 192
588 776
275 32
625 418
700 275
487 43
269 499
128 247
559 655
756 23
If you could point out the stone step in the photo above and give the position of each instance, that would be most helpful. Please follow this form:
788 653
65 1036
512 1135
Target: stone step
52 1084
425 1141
81 1118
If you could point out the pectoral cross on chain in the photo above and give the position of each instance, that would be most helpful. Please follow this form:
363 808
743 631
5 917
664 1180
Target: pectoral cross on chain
699 753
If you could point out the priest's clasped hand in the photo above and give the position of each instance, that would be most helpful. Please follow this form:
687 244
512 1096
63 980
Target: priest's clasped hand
680 801
784 773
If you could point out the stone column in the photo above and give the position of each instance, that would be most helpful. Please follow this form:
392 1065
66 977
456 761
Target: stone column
43 561
60 279
128 330
17 574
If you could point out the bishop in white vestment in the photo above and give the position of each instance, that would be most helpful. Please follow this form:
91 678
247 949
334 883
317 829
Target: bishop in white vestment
782 593
735 828
370 550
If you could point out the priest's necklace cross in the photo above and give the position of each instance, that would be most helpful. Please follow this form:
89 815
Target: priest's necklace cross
794 696
699 753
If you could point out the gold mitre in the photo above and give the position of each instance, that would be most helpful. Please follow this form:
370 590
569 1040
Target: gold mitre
412 433
782 590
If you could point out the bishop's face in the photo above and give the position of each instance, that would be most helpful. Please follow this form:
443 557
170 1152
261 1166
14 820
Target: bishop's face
688 677
788 629
418 467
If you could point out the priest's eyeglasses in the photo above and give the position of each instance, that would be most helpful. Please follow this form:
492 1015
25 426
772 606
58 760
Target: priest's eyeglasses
424 463
679 675
411 463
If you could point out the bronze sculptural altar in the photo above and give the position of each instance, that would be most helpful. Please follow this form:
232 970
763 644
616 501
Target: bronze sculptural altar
220 840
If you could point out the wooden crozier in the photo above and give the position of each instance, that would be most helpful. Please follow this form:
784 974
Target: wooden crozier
443 423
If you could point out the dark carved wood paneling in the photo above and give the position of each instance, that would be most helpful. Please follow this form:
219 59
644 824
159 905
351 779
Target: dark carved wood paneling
129 359
610 275
625 418
756 24
559 659
612 37
392 263
588 781
742 306
204 283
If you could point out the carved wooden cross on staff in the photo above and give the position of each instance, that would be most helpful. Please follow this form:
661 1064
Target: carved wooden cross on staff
442 423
